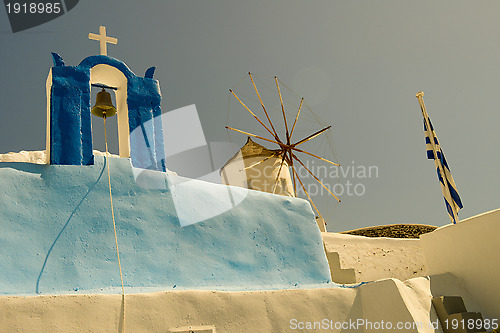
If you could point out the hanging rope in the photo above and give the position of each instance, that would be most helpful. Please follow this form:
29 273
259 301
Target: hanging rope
114 224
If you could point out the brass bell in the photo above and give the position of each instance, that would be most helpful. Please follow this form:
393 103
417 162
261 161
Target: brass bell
103 107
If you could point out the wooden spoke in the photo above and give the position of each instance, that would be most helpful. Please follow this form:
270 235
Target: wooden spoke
305 191
257 163
294 185
296 117
321 158
283 111
253 114
255 136
317 179
263 107
290 154
279 173
312 136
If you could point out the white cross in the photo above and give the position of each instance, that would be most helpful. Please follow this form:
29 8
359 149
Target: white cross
103 39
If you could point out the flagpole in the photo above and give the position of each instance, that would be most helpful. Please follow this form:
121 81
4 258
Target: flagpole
437 162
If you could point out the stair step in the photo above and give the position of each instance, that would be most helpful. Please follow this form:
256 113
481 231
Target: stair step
454 316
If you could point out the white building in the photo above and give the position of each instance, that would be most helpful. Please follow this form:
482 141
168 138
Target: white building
261 176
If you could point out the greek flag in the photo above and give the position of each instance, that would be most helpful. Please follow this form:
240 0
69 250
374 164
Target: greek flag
435 152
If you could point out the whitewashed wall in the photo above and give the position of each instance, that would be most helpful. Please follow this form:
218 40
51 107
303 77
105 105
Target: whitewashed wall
470 250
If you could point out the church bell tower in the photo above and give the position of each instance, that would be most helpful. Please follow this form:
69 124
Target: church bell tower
69 128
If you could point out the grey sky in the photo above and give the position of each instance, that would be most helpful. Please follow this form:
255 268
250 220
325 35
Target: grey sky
359 65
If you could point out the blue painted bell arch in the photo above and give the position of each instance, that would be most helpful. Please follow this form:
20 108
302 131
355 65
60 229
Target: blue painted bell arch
69 127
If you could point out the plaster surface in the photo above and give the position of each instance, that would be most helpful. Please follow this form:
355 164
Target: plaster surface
57 234
379 257
469 250
300 310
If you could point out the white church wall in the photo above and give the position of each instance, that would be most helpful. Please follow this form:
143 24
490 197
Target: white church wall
382 306
375 258
469 250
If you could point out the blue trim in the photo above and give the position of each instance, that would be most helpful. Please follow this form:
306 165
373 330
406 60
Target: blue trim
94 60
57 59
71 130
150 72
351 286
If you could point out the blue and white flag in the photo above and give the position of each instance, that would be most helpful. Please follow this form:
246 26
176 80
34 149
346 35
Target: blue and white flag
434 152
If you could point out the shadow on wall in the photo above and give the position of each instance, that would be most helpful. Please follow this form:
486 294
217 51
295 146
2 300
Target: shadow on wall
66 224
25 167
448 284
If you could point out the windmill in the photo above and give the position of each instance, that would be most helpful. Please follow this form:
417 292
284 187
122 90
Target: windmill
288 150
